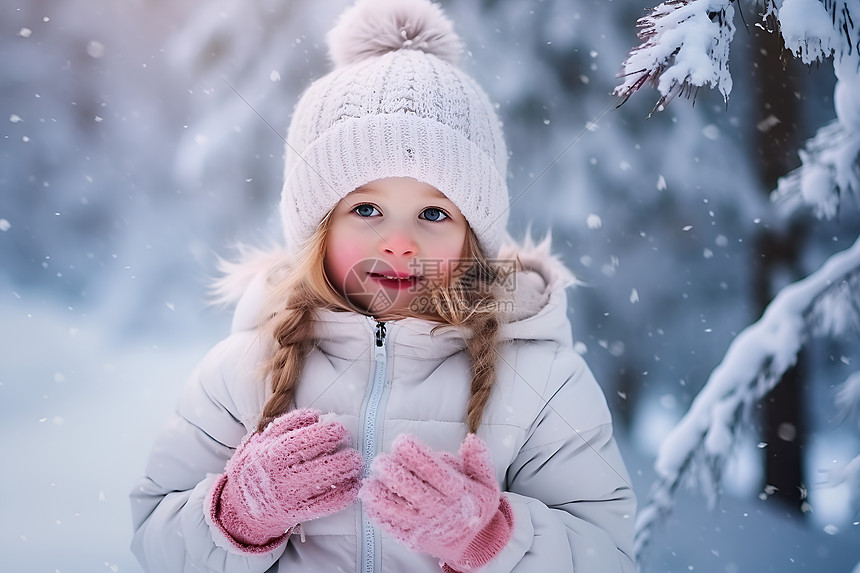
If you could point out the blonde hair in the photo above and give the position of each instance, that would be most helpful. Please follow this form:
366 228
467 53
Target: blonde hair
302 286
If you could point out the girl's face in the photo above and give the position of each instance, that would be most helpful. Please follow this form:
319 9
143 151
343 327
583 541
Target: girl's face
389 240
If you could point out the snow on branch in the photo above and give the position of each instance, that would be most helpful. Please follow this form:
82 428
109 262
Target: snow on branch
816 29
685 45
697 448
830 161
828 172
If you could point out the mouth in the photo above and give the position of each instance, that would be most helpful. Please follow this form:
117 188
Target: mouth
395 276
395 280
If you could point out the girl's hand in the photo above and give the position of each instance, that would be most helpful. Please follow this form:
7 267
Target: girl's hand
296 470
437 503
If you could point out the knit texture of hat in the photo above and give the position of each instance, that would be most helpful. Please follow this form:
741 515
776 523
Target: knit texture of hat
395 105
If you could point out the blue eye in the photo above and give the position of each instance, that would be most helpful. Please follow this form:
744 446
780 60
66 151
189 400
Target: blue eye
434 214
365 210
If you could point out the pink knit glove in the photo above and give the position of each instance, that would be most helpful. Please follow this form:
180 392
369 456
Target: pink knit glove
296 470
437 503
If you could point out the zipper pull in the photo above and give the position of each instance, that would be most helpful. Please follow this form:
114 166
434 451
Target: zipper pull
380 333
300 529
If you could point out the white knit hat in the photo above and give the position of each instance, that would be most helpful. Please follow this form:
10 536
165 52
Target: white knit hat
395 106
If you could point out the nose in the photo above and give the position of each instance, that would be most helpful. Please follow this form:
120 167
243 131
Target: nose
398 243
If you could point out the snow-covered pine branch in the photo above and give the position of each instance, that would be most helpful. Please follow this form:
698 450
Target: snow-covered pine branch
685 45
828 172
699 444
814 30
830 161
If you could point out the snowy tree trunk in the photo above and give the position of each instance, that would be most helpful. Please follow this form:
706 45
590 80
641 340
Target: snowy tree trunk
774 133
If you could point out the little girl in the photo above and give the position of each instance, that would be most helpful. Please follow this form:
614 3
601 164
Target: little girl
400 393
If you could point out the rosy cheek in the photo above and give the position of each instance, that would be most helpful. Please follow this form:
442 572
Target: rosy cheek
341 256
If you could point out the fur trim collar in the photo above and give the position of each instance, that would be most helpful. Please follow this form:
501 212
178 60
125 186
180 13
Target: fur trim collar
541 274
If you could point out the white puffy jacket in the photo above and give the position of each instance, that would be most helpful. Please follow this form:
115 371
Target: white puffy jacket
546 424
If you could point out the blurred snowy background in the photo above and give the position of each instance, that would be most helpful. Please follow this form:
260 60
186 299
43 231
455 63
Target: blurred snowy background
128 162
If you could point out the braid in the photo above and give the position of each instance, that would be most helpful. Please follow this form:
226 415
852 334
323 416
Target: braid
302 287
292 330
472 302
482 350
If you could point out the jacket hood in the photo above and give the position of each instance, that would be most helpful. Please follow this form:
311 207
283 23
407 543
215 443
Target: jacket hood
532 304
537 307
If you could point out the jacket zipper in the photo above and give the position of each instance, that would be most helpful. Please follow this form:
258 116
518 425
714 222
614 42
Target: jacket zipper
369 439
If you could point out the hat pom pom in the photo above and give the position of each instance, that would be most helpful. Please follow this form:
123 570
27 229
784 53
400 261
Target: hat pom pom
376 27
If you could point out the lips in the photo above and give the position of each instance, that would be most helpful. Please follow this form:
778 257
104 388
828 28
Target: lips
395 280
395 276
